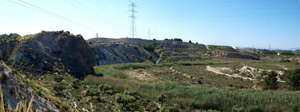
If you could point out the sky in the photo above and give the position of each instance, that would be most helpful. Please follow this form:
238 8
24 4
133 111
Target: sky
241 23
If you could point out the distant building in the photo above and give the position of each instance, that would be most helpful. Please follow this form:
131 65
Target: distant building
233 47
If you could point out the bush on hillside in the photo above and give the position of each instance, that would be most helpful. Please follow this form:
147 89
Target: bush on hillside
287 53
293 79
4 77
178 39
271 81
149 47
1 67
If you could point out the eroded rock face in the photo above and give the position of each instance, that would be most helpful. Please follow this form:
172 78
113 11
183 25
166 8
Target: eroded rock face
54 51
119 53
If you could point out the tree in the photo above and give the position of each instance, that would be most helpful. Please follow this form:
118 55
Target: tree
271 81
293 79
287 53
190 41
178 39
149 47
3 77
150 57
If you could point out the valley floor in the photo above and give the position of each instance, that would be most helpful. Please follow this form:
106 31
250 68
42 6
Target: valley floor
210 84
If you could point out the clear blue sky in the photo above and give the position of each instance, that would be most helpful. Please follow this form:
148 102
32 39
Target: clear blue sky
243 23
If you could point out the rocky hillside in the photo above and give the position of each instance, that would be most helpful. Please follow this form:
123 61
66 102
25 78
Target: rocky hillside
120 53
129 50
8 43
166 45
226 54
49 52
16 92
173 46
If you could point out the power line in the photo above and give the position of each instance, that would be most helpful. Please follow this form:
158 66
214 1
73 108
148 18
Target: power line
93 13
106 9
31 8
88 9
133 17
49 13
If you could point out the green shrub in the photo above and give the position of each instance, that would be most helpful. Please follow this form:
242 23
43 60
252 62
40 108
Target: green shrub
150 57
293 108
11 90
271 81
171 108
76 84
293 79
1 66
121 75
92 92
124 99
59 87
199 81
105 87
162 98
131 92
4 77
178 39
149 47
58 78
287 53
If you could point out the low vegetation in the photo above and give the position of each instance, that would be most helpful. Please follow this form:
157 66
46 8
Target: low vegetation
293 79
270 81
211 94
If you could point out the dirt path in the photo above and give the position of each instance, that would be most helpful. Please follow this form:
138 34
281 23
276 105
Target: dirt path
6 70
219 70
160 58
183 74
142 75
207 47
254 72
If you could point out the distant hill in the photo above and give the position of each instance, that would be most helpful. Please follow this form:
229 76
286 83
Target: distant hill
293 49
173 46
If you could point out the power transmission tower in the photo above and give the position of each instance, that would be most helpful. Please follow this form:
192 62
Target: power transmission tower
133 17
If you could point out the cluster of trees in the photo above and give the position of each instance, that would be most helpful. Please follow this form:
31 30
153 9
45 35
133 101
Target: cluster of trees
287 53
149 47
292 78
175 39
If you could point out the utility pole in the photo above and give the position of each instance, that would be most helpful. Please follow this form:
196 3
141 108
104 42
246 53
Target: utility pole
155 34
133 17
149 33
269 46
96 35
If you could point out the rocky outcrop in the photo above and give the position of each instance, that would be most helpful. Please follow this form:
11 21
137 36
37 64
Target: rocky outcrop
228 54
53 51
15 93
119 53
166 45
